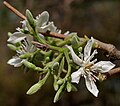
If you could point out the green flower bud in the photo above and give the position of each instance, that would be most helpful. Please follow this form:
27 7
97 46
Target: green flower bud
30 18
47 59
56 86
69 87
24 56
80 49
60 81
29 65
12 47
9 34
55 66
60 92
75 42
38 85
34 88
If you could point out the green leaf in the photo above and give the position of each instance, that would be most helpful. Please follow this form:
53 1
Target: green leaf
38 85
60 92
69 87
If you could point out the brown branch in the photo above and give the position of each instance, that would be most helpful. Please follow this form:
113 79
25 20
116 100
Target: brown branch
53 34
41 46
14 10
114 71
111 49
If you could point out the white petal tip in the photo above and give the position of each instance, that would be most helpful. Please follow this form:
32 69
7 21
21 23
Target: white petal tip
75 81
96 94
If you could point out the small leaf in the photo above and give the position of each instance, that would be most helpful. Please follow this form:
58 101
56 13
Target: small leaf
69 87
60 92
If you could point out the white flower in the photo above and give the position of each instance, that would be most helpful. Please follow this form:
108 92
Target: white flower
19 36
43 24
26 47
88 67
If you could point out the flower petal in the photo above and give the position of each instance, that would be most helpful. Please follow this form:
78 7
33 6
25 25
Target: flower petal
105 66
49 27
87 49
75 58
42 18
16 37
91 85
76 75
15 61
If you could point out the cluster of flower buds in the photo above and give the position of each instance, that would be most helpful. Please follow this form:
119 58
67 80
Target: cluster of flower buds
54 56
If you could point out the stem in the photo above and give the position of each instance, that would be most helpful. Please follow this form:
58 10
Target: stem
38 37
114 71
58 57
33 67
62 43
68 62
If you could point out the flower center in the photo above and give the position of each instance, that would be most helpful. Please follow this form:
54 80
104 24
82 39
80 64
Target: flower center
88 67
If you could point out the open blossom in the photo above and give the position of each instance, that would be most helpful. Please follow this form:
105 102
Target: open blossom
89 67
18 37
25 48
43 24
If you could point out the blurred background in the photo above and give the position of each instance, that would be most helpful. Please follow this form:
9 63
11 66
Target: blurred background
97 18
